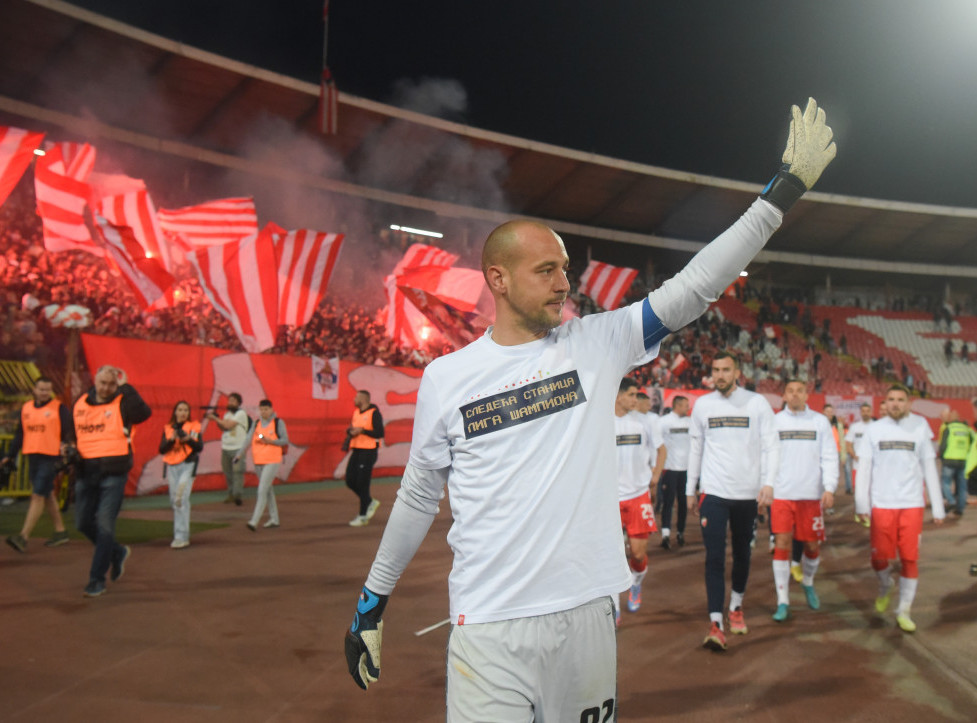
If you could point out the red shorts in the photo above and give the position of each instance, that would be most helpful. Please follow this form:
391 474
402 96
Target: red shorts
896 530
802 518
638 516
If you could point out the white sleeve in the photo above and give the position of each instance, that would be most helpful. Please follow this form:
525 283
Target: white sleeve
931 477
829 460
410 519
769 445
695 454
685 296
863 485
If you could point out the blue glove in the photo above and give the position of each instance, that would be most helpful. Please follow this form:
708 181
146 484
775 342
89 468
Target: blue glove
363 638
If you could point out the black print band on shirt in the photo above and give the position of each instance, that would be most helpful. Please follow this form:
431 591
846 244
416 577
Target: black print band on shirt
524 404
805 434
736 422
905 446
624 439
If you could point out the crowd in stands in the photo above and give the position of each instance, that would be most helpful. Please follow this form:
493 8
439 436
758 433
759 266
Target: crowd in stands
779 334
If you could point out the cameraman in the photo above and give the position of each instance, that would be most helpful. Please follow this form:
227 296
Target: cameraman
234 435
103 419
42 436
180 447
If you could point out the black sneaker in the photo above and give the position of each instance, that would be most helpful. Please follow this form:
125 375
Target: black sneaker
119 564
94 588
680 539
666 545
58 538
17 542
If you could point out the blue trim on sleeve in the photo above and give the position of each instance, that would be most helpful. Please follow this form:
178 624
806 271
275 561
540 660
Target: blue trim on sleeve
653 329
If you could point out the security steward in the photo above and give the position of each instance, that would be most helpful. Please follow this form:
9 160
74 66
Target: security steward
41 437
363 435
103 420
956 440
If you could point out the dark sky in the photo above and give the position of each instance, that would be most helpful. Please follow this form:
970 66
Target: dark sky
685 84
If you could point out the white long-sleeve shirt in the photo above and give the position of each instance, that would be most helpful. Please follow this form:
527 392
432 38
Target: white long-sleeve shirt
808 456
636 446
733 445
895 458
675 432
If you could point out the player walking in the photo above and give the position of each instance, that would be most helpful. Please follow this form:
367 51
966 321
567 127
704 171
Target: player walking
896 456
806 482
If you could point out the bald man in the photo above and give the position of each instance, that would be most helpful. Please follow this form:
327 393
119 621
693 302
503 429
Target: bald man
519 425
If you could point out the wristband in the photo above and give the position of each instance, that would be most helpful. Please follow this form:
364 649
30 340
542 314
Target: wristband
784 189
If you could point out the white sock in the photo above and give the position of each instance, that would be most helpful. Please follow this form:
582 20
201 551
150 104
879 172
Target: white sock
781 578
809 566
637 577
735 599
907 593
717 618
666 532
885 580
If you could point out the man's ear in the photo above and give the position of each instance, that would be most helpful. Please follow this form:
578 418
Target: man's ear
496 278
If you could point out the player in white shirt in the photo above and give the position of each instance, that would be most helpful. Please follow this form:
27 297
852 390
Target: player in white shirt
518 425
733 458
896 456
675 433
636 446
852 439
806 482
643 408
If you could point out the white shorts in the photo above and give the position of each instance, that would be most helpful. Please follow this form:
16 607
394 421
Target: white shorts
548 668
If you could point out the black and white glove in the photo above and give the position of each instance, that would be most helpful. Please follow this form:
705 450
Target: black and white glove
809 151
363 638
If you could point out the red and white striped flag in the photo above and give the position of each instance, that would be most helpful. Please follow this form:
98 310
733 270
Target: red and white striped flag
606 284
402 316
17 148
241 281
210 223
679 364
305 263
145 275
62 191
136 210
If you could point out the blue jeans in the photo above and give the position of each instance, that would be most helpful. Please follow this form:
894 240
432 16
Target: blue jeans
98 499
954 487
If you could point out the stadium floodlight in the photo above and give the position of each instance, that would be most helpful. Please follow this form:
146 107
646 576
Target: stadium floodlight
744 273
39 152
417 231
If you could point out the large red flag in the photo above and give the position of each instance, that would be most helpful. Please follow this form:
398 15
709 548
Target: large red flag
305 263
62 191
606 284
145 275
17 148
241 280
210 223
403 318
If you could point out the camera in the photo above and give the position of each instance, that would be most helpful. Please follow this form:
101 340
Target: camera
7 469
69 461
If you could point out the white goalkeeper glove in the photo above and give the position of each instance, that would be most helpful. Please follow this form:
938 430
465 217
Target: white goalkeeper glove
809 151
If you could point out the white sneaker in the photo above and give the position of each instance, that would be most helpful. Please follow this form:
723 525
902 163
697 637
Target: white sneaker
271 523
359 521
180 544
372 509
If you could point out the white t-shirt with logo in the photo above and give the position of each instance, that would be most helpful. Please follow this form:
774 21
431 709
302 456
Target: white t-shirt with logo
675 433
528 433
733 445
895 458
236 437
637 450
808 456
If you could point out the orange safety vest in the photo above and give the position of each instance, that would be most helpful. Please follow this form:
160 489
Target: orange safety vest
99 429
42 428
265 453
179 451
365 421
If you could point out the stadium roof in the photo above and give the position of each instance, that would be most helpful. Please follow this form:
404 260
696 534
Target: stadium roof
201 104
